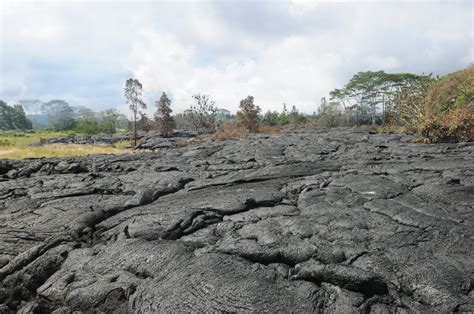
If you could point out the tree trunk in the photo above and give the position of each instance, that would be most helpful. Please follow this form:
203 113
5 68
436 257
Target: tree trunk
134 129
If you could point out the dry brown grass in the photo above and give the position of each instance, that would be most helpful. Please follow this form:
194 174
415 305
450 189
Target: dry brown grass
56 150
229 130
442 110
449 109
454 126
270 129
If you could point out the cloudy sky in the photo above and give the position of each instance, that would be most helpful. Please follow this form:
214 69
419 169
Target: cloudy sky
278 51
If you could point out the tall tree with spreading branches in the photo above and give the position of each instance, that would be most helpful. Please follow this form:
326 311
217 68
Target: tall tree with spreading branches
163 118
133 93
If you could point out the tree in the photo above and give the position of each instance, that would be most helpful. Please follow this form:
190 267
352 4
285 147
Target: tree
144 123
329 113
31 106
19 118
369 93
203 113
34 113
108 121
247 116
60 115
283 118
163 118
270 118
87 122
13 117
122 122
133 93
295 116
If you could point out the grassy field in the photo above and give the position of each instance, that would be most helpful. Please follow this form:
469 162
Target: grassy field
14 145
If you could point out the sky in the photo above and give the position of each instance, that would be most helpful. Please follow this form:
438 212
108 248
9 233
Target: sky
291 52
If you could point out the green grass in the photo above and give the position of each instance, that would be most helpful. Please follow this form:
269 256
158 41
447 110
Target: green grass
14 145
22 139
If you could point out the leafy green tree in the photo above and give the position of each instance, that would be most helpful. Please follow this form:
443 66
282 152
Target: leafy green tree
133 94
34 113
163 118
60 115
19 118
247 116
368 93
270 118
5 116
13 117
284 117
86 121
295 116
108 121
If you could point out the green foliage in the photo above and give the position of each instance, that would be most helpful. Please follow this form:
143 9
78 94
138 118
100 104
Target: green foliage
270 118
108 121
248 115
274 118
5 142
445 112
163 118
87 127
90 122
133 94
60 115
370 97
13 117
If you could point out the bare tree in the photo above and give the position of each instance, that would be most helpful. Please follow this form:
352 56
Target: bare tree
203 113
133 93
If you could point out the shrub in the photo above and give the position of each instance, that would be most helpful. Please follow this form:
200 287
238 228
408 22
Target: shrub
456 125
448 109
247 116
451 91
439 110
229 130
5 142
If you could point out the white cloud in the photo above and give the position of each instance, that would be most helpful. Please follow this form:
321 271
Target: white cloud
293 52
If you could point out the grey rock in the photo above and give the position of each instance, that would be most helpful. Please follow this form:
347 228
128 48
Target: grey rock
310 220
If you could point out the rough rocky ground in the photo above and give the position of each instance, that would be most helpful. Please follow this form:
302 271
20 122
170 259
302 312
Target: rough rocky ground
336 220
146 140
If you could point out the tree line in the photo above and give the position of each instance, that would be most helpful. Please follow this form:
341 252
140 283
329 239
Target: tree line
201 115
369 98
418 102
437 109
13 117
58 115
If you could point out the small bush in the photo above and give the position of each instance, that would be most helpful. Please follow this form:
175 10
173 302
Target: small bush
5 142
455 126
247 116
230 131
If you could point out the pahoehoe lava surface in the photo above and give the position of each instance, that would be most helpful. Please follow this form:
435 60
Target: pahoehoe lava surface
336 220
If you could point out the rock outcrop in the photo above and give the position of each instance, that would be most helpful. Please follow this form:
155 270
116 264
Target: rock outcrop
146 140
336 220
